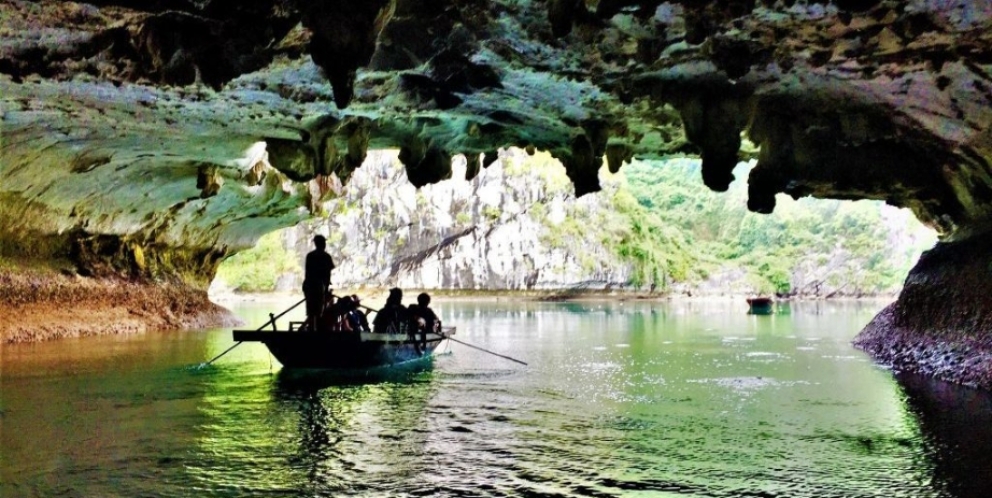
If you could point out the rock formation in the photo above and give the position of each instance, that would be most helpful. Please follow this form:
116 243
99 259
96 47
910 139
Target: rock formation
493 235
517 227
152 139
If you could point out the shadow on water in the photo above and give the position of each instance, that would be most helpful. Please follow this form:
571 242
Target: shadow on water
294 382
776 308
956 425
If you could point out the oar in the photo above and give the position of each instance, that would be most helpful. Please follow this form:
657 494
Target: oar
448 337
272 320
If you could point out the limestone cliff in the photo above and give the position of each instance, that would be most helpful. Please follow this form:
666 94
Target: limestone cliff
151 139
517 227
508 231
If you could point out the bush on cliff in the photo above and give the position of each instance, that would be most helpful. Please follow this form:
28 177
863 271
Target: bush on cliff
257 269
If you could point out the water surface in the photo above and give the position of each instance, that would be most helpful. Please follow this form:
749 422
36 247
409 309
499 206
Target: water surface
619 399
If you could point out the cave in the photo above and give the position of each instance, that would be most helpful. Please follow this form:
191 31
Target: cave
145 142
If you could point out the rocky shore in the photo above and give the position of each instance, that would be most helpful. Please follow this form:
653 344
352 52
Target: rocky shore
44 304
962 360
939 326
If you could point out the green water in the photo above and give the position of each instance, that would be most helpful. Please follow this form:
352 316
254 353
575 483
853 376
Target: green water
619 399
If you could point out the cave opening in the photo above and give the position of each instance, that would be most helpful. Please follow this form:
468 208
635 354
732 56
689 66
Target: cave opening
517 226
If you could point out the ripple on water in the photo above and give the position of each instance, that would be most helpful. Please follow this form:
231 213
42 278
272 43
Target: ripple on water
843 357
710 416
755 354
739 383
599 366
764 356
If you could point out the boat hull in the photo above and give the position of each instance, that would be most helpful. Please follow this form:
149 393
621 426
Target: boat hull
760 306
341 350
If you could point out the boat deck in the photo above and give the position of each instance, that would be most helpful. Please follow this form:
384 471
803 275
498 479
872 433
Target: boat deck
333 336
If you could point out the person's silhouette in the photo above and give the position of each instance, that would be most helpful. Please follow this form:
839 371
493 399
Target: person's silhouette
391 319
317 280
423 320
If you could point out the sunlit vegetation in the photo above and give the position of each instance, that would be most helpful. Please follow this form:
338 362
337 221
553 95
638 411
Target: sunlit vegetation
658 252
804 247
257 269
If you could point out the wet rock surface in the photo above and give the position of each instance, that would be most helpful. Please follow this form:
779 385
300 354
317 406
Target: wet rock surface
882 100
940 324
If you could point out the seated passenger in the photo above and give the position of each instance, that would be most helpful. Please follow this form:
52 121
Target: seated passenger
334 317
359 316
356 316
345 305
428 320
417 322
423 320
392 318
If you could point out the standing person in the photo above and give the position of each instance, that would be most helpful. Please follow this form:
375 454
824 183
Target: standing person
317 280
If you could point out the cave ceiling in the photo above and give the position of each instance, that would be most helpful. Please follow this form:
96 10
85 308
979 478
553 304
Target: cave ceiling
209 122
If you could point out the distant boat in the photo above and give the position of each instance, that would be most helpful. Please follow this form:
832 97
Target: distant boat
760 305
340 350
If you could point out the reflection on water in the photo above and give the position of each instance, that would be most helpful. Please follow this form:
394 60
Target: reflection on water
620 399
955 423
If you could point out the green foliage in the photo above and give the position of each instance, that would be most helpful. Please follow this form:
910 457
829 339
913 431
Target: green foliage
538 212
803 245
657 252
492 213
541 167
256 269
659 219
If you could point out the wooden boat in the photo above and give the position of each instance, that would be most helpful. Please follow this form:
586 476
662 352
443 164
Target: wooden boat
342 350
760 305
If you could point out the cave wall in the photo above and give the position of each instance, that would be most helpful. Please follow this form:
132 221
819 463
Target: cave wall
940 326
881 99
